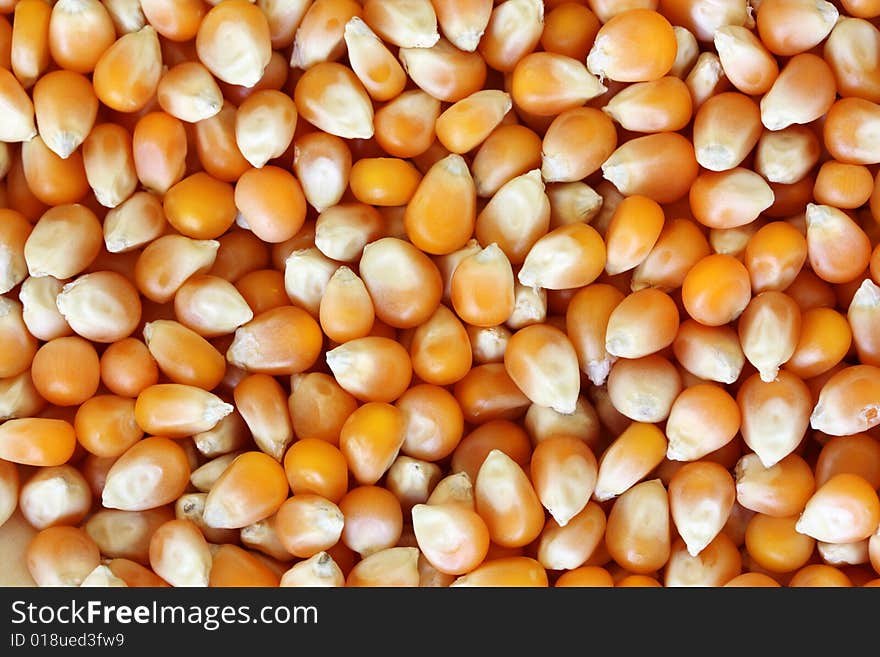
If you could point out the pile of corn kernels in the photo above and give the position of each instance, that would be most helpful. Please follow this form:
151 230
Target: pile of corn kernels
439 293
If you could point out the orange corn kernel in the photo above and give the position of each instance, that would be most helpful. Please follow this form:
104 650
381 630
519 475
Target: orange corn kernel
726 128
308 524
127 74
128 367
404 126
482 288
845 186
715 565
703 418
679 246
819 575
630 458
79 33
283 340
463 22
105 425
427 216
320 391
487 393
180 555
66 107
716 290
507 502
838 248
439 349
403 282
641 166
183 355
570 546
513 31
61 556
376 67
845 122
216 147
775 415
250 489
576 144
373 519
316 466
643 389
330 97
178 410
613 56
627 334
66 371
443 71
29 46
151 473
863 316
262 403
235 566
570 256
453 538
753 579
633 231
159 147
548 83
391 567
178 21
701 496
663 105
824 341
507 572
777 19
372 368
346 311
586 324
37 441
19 345
509 151
233 41
804 90
384 181
851 66
856 454
637 533
500 434
563 471
542 362
842 510
53 180
318 36
433 422
370 440
774 255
